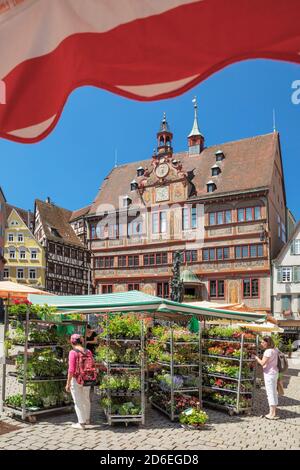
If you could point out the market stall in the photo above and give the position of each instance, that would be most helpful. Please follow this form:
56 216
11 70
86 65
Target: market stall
130 324
36 352
136 301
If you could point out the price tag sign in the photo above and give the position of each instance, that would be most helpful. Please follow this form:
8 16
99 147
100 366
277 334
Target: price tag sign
188 412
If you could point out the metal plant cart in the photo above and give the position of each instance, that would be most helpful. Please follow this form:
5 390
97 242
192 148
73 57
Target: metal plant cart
26 349
112 369
194 375
227 385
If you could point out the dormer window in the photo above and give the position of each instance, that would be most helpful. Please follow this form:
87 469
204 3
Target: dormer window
219 155
126 201
215 170
133 185
211 187
140 171
55 232
175 162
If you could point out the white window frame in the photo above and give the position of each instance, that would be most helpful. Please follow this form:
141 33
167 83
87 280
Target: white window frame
20 270
23 251
10 235
34 250
286 274
20 235
32 270
10 251
6 271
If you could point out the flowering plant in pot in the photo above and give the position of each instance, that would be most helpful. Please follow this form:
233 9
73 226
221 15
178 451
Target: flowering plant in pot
124 326
165 381
182 402
221 332
193 418
216 351
154 350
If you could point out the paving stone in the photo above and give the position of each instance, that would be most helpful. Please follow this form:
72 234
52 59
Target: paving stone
223 432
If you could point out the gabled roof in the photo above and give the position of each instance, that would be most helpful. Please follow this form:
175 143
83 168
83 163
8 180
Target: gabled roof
55 222
287 245
248 166
79 213
2 194
26 216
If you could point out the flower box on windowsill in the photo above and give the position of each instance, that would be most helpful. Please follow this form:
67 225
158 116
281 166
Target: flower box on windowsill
287 313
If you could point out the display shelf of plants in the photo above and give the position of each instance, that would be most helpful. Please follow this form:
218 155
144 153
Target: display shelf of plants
228 368
174 369
120 355
38 349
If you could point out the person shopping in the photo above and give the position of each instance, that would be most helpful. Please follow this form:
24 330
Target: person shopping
91 339
269 363
80 391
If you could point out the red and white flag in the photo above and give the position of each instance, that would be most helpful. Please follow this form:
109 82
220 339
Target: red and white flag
142 49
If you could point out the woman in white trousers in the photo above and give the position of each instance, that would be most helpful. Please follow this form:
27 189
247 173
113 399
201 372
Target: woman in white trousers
80 394
269 363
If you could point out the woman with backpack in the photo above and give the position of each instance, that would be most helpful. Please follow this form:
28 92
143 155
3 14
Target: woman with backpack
81 375
269 363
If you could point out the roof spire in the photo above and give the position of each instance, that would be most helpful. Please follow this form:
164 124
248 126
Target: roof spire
164 126
195 130
164 138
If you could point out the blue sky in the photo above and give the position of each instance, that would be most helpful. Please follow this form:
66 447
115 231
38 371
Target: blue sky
70 164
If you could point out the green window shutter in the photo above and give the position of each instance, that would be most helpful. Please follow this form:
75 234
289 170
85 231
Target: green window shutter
293 247
279 275
296 274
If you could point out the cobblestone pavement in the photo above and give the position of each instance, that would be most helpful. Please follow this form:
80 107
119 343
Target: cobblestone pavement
223 431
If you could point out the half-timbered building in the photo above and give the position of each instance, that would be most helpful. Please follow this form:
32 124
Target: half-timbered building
67 259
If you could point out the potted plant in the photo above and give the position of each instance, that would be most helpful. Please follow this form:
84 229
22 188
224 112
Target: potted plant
289 348
193 418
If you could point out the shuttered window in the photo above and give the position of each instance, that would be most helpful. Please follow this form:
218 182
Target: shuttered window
296 274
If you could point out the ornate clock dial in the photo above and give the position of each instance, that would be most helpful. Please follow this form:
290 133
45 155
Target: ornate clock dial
162 170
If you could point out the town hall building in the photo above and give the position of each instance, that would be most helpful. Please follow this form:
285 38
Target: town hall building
223 207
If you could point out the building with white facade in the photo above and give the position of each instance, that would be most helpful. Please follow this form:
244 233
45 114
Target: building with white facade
286 285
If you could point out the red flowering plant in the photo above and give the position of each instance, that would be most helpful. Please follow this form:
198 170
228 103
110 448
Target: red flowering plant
182 402
219 383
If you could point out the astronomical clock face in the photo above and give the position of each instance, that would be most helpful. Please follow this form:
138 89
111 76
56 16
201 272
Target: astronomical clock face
162 194
162 170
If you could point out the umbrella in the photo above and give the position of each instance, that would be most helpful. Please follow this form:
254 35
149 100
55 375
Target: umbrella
13 290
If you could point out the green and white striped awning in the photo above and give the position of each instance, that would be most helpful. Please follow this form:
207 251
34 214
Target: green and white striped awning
135 301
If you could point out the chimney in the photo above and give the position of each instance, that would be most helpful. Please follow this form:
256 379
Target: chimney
48 200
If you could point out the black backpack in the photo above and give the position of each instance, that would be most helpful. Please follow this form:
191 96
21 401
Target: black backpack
282 362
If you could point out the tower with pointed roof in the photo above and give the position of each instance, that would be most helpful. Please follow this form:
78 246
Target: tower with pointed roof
195 138
164 139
